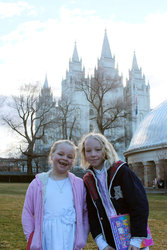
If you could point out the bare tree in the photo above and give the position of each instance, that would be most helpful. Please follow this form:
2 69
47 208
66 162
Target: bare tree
106 107
29 119
68 121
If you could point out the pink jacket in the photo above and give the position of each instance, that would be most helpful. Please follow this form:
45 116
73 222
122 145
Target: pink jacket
32 216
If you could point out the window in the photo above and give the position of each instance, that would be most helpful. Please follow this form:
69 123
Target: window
91 112
91 128
77 112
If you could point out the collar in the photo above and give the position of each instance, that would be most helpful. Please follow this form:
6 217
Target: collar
104 169
99 171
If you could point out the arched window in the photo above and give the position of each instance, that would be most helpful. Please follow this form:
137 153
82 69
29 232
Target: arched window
78 112
91 127
91 112
141 116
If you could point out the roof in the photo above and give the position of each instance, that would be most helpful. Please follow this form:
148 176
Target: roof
152 131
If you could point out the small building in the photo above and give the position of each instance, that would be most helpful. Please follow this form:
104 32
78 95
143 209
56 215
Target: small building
147 152
16 166
11 165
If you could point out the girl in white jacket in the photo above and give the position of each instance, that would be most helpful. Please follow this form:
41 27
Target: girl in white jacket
55 214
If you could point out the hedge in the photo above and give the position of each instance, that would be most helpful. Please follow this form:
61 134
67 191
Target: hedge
17 178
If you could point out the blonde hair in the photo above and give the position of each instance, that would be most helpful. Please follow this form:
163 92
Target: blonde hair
55 145
108 150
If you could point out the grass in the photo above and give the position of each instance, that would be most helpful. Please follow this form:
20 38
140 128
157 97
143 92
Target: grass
11 204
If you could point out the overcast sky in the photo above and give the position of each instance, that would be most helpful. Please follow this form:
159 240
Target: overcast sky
37 38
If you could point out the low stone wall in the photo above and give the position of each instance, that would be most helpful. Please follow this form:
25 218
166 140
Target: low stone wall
156 190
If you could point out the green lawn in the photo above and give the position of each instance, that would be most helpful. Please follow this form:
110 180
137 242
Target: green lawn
11 204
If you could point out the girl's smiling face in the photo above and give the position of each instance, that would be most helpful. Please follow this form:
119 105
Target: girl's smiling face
94 153
63 158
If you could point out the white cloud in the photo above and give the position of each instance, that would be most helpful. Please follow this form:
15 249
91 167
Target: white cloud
15 9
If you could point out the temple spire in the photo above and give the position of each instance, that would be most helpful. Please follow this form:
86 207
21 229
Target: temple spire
46 83
134 63
106 52
75 57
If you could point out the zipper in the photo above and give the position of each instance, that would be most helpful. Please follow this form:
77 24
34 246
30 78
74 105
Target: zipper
76 235
41 217
102 203
109 195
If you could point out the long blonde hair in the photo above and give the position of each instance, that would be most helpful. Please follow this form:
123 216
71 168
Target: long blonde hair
108 150
55 145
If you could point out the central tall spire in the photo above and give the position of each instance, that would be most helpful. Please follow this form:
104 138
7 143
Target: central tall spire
106 52
46 82
75 57
134 63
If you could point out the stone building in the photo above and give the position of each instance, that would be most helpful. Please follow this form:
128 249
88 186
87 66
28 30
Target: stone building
48 101
136 92
147 152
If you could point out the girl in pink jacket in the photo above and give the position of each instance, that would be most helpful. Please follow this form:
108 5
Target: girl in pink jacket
55 214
